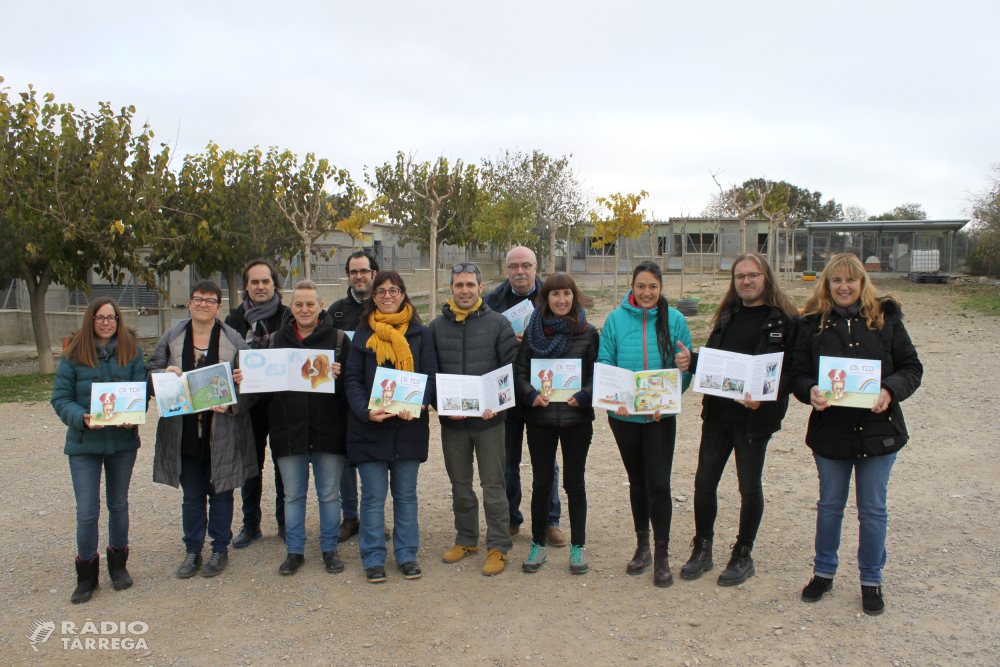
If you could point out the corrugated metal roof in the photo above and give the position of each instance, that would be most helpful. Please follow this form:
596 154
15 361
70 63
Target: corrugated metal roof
887 226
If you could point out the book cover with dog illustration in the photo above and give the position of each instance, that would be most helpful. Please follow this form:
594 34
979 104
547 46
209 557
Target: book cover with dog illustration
519 315
194 391
117 403
850 383
287 369
556 379
395 391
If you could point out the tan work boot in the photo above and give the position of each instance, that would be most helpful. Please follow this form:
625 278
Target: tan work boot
554 537
495 562
457 553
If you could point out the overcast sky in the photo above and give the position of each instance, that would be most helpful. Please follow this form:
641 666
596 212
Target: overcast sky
871 103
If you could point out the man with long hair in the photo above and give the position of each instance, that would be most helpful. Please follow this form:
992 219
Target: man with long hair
754 317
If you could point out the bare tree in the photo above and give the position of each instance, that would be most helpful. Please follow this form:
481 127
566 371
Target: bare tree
740 201
434 188
855 212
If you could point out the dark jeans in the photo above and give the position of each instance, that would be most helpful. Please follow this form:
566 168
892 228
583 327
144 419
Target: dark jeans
85 469
253 489
718 440
647 450
349 492
542 444
512 473
196 482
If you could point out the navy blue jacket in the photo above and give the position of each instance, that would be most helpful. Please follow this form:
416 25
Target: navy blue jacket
393 439
497 299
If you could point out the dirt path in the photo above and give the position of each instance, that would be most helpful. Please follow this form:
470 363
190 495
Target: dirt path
941 578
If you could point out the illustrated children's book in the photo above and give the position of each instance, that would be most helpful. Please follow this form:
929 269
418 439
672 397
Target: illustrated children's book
288 369
732 375
395 391
519 315
471 395
556 379
194 391
117 403
641 393
850 383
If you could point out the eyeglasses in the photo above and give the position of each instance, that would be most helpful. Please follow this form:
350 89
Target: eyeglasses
392 291
358 272
465 268
754 277
524 265
198 300
105 319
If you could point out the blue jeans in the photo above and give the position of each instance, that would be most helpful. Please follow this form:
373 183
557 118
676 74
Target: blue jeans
326 477
871 481
196 482
349 492
85 469
512 473
377 478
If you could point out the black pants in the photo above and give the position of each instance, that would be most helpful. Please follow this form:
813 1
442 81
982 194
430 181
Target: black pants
647 450
718 440
542 444
253 490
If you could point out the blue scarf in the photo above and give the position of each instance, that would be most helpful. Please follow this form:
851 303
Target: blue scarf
559 345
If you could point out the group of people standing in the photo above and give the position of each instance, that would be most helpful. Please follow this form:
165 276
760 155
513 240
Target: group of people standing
212 453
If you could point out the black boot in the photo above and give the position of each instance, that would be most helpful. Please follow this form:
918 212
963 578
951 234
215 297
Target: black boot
87 573
701 558
292 564
117 558
643 557
871 600
740 567
661 568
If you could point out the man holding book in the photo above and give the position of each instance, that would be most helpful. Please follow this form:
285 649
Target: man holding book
471 339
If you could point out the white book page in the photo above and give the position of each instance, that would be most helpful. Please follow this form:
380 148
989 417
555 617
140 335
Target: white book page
459 395
498 389
766 376
721 373
613 387
264 370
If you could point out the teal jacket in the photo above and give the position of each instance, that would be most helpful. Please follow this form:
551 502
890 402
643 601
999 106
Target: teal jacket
628 340
71 400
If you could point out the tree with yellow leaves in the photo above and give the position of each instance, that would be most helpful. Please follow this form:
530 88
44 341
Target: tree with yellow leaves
625 221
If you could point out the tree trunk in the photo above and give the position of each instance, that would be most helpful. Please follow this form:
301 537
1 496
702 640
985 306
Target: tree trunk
603 250
434 269
306 258
743 235
234 289
164 303
552 246
39 326
683 250
569 254
616 274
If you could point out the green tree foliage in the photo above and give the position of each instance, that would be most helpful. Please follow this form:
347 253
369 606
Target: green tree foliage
81 191
984 241
908 211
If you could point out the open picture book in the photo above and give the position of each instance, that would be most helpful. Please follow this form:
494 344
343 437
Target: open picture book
471 395
639 392
287 369
194 391
733 375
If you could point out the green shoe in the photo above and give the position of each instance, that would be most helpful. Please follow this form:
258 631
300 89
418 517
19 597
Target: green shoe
535 559
577 560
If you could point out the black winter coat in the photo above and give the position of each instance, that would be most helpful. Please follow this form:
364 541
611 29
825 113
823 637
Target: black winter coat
497 299
845 433
304 422
393 439
777 335
345 312
480 344
583 346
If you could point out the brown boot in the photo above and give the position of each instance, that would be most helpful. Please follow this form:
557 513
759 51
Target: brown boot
640 561
661 568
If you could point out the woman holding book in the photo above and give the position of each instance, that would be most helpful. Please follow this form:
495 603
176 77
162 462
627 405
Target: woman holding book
643 334
558 329
103 350
845 317
388 448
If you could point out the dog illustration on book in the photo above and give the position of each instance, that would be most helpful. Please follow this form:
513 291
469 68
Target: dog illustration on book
546 377
388 390
838 383
108 405
317 369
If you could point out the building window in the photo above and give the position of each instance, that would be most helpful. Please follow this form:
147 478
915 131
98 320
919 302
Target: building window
702 243
608 250
663 245
761 243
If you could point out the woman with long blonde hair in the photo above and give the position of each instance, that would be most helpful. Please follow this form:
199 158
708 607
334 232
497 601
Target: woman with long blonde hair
846 317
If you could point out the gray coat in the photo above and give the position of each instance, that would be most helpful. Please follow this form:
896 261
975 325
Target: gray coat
482 343
234 455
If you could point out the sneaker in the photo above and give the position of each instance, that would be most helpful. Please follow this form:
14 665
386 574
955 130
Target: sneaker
349 527
577 560
332 562
375 574
817 586
554 537
535 559
216 564
740 567
410 570
871 600
701 558
246 537
292 564
191 564
458 552
496 561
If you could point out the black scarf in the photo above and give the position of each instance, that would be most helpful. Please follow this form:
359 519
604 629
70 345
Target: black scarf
191 423
560 326
254 314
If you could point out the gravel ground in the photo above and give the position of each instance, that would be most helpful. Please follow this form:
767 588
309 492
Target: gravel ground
940 580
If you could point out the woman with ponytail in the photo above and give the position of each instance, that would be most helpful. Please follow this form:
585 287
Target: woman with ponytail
644 334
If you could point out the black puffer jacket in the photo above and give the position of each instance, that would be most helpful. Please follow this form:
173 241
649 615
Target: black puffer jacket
304 422
777 335
346 312
845 433
480 344
583 346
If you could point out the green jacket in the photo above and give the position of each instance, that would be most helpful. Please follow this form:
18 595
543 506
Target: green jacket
71 400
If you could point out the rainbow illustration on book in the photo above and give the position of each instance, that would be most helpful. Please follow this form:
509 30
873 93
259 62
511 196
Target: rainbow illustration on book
850 383
395 391
117 403
556 379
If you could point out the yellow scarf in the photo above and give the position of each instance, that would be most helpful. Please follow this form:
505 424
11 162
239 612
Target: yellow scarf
460 314
389 340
